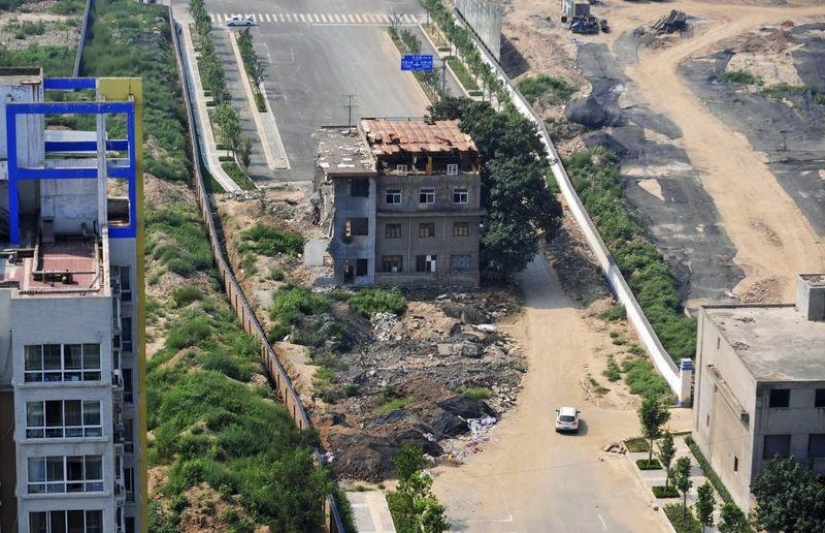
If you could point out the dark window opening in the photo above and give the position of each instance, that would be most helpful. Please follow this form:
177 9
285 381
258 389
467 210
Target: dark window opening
819 400
426 229
361 267
356 227
392 263
359 188
392 231
461 229
776 446
779 398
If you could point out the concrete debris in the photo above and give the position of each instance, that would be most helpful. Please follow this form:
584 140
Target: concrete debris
486 328
382 324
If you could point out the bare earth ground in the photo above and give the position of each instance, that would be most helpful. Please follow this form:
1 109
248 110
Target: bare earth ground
774 240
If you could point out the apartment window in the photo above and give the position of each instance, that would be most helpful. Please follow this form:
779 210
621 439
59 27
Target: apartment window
129 481
130 524
57 419
75 473
393 196
355 227
426 230
392 231
62 362
129 435
125 284
425 263
461 195
359 188
128 389
460 263
735 464
426 195
776 445
461 229
816 446
819 399
66 522
401 169
392 263
779 398
452 169
126 333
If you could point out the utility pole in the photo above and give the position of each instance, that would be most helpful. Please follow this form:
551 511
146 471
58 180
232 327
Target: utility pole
349 107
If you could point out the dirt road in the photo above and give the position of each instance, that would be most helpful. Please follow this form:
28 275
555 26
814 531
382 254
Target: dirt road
528 478
774 240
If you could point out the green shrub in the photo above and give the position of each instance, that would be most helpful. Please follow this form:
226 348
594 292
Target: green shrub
643 379
271 241
188 333
742 77
613 313
288 304
476 393
464 77
652 465
393 405
782 90
546 89
239 176
276 274
612 372
227 365
183 296
368 302
682 522
176 238
660 492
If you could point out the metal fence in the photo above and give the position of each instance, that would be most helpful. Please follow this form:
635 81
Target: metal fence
237 299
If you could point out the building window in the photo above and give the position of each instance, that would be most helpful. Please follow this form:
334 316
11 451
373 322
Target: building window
57 419
393 196
129 435
129 481
392 231
66 522
425 263
392 263
779 398
130 524
461 195
355 227
816 446
735 464
75 473
426 229
359 188
361 267
426 195
128 388
401 169
452 169
62 362
461 229
126 333
819 399
460 263
125 284
776 445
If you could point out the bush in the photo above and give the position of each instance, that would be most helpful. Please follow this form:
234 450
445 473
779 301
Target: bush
682 522
613 313
371 301
271 241
546 89
612 372
188 333
660 492
239 176
742 77
652 465
290 303
183 296
643 379
476 393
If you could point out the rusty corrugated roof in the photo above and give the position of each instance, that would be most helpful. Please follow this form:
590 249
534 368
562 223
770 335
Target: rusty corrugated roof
415 136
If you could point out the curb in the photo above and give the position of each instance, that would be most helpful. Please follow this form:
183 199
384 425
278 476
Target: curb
639 479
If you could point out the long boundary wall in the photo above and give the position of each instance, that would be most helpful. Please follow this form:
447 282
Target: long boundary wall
84 31
679 380
237 298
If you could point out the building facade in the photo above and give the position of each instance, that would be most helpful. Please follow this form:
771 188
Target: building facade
72 403
404 203
760 386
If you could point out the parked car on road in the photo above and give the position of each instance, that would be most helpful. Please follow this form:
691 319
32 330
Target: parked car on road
567 419
240 20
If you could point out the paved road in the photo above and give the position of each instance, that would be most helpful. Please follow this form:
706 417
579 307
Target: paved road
528 478
317 53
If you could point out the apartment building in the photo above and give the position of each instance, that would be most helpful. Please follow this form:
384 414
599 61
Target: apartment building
72 404
760 385
402 202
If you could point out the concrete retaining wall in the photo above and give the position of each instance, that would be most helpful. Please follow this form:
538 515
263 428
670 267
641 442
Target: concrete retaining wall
661 359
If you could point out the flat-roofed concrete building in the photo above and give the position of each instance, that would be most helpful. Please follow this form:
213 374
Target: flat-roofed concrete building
72 401
760 385
402 201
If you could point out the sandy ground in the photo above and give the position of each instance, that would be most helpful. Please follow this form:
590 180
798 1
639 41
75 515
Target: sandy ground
528 478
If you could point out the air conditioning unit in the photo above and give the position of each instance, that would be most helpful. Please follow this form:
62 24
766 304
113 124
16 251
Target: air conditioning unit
117 378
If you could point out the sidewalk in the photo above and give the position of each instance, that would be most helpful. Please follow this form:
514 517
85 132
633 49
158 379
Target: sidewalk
206 138
653 478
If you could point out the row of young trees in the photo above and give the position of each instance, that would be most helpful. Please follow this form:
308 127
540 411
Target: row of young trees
520 207
409 43
214 80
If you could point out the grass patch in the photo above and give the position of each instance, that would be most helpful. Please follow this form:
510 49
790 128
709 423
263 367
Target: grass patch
613 313
643 380
464 77
682 522
598 389
238 176
475 393
546 90
271 241
654 464
183 296
371 301
710 473
595 175
742 77
612 372
393 405
56 61
783 90
637 444
660 492
176 238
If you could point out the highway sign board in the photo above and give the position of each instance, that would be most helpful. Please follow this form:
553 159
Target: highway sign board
418 62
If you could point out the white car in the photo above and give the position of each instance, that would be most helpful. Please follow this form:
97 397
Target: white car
240 20
567 419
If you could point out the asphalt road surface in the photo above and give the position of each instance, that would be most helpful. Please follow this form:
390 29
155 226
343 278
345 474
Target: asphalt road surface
316 54
527 478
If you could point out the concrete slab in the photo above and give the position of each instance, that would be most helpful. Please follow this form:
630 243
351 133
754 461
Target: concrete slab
371 512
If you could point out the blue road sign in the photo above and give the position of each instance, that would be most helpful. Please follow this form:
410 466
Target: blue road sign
422 62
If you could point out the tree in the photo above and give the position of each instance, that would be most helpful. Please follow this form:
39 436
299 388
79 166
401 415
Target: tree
414 507
681 480
790 497
409 459
245 151
705 503
666 452
653 414
733 520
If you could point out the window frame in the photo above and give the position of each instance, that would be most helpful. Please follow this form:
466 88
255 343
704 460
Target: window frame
461 195
426 230
388 261
92 520
360 186
45 468
452 169
426 263
354 226
64 430
393 197
775 396
765 455
392 231
426 195
62 365
461 229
